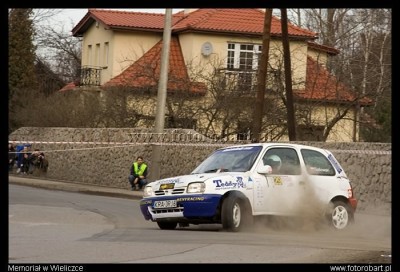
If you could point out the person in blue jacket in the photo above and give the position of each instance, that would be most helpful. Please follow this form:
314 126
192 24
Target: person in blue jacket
21 149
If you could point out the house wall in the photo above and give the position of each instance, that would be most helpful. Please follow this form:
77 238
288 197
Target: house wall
320 57
124 49
191 48
343 131
97 34
298 55
144 105
130 46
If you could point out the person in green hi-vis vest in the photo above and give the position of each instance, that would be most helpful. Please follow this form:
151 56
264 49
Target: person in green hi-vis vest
138 175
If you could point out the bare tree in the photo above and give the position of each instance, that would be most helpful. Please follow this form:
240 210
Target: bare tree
63 52
363 37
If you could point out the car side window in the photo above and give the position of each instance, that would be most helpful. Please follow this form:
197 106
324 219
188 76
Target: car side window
317 163
283 161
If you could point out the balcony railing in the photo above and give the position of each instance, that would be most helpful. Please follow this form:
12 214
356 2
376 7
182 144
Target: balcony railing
90 76
240 80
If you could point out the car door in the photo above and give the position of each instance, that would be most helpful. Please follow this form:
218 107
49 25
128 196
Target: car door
279 191
325 175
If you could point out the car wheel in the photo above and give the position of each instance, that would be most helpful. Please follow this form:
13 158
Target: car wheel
234 214
341 215
167 225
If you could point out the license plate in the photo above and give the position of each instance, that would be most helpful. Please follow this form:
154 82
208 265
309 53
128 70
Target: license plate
164 204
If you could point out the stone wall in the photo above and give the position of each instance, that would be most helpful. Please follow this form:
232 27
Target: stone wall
103 156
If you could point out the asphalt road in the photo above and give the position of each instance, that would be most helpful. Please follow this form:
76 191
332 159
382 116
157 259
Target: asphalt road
56 222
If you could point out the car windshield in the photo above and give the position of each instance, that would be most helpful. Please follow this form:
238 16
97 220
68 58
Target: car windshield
233 159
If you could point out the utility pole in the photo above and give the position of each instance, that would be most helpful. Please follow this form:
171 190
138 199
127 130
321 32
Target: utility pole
154 171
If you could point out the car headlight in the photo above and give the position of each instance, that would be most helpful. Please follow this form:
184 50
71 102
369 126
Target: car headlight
148 191
196 187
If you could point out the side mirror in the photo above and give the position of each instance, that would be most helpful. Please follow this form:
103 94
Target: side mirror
264 169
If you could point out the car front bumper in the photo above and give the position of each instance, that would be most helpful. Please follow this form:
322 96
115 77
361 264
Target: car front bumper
187 206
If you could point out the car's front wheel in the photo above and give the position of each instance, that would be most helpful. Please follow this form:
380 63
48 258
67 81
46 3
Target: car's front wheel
234 214
340 215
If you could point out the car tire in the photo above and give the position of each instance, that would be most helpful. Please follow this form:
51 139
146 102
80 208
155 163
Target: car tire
340 216
234 214
167 225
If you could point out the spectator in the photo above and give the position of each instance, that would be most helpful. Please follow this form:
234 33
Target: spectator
25 164
21 150
137 177
12 156
39 162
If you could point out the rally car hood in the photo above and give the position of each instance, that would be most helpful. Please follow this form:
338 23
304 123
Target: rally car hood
182 181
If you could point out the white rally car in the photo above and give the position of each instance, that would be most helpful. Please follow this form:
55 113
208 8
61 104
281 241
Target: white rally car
235 184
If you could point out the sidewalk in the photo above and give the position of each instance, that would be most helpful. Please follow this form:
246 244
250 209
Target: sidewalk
73 187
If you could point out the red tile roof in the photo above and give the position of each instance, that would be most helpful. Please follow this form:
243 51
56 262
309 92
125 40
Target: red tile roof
235 20
122 19
144 73
68 87
323 86
328 49
232 21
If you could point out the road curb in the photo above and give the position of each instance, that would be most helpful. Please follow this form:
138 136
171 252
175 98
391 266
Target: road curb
73 187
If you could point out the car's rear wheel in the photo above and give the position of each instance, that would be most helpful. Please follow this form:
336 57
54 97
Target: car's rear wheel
167 225
341 215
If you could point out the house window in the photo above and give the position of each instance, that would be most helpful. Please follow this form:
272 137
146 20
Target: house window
242 63
243 57
89 55
186 123
243 131
105 56
310 132
97 56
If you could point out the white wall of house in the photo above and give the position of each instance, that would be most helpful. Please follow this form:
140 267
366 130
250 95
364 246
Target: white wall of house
114 51
298 55
130 46
320 57
97 49
191 44
343 131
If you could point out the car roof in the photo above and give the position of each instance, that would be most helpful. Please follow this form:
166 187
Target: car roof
279 144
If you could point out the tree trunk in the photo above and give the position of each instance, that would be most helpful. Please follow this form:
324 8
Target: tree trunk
291 123
262 76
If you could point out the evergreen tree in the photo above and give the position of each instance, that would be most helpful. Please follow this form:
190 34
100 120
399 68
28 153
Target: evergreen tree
22 81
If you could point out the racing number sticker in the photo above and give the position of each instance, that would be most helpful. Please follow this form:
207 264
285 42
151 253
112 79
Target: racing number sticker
277 181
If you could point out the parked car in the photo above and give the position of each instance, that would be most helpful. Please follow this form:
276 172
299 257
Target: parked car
237 183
